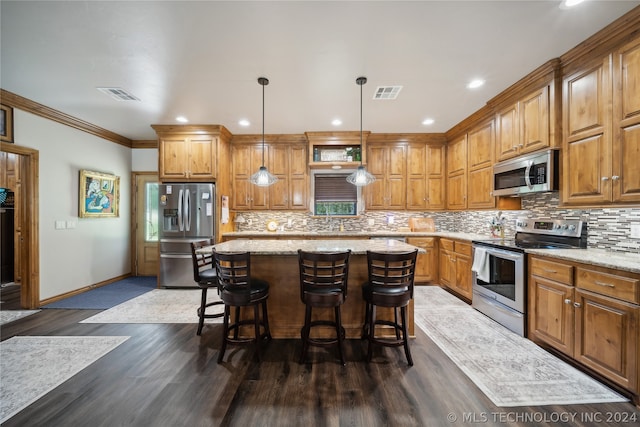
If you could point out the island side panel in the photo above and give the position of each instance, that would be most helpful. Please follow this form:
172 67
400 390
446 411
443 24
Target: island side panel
286 310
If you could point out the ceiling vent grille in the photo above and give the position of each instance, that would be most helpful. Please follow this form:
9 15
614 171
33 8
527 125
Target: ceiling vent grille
387 92
118 94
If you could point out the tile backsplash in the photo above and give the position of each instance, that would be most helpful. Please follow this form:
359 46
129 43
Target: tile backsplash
608 228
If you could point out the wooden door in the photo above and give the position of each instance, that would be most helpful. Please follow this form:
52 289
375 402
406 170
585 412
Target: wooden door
416 176
626 142
457 174
173 154
426 264
445 268
587 135
279 167
481 144
202 157
146 255
508 133
534 120
376 192
550 314
396 177
607 337
436 156
298 178
481 189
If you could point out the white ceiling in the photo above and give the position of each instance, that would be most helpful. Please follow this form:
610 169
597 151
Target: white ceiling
201 59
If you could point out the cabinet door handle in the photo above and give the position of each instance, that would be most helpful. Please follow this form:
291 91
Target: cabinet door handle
605 178
608 285
567 301
615 177
546 270
576 304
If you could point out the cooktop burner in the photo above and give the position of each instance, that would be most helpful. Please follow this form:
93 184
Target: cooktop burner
543 234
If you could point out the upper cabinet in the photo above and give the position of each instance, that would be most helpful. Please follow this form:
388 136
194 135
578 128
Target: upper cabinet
189 152
425 176
528 122
285 157
387 163
601 144
457 173
481 142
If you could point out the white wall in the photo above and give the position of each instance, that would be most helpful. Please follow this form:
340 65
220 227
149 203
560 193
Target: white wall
96 249
144 160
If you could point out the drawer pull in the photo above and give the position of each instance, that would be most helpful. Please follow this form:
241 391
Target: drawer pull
608 285
546 270
576 304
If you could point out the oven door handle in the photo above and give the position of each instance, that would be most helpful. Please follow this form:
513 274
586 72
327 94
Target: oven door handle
502 253
527 171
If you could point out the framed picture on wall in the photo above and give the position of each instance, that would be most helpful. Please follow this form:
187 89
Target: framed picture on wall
6 123
99 195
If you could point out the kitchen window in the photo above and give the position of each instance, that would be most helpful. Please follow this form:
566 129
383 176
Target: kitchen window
333 195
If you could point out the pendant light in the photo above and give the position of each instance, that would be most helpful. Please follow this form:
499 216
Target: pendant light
361 177
263 178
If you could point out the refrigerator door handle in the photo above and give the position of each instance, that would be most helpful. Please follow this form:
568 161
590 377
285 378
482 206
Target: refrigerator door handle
187 209
180 216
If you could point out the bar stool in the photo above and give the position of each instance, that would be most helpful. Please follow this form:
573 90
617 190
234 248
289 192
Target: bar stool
391 276
239 289
204 274
323 284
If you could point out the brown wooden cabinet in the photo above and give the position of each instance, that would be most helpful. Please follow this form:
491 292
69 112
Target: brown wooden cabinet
388 164
427 263
607 139
588 313
289 164
425 176
188 152
523 127
246 160
481 143
457 174
455 267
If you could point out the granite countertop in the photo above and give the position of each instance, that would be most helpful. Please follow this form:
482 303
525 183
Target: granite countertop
290 247
619 260
347 234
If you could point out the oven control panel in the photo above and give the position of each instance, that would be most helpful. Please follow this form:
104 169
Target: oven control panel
555 227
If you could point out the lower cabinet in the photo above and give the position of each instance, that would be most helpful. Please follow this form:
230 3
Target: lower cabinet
591 314
455 267
427 263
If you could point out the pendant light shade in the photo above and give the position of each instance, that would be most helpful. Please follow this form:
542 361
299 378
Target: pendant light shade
361 177
263 178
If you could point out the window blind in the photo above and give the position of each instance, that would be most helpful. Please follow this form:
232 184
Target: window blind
334 188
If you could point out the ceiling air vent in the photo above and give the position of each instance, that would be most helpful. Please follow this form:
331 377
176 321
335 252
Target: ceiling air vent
387 92
118 94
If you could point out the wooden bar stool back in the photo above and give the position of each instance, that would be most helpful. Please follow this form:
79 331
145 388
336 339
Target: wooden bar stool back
238 289
323 284
204 274
390 284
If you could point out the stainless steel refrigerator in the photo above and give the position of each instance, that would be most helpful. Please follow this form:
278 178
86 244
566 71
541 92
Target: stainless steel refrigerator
187 214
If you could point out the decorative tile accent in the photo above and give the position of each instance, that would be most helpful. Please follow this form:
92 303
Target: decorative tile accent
608 228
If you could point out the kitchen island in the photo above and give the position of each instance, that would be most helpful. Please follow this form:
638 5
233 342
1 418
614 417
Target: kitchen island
276 261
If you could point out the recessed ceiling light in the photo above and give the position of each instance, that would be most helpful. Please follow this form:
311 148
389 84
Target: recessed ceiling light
428 122
244 122
473 84
336 122
566 4
182 119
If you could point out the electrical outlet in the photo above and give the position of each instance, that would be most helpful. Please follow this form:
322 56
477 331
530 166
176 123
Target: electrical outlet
635 231
371 222
304 221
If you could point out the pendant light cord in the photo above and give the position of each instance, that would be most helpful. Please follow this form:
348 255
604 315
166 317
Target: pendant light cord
263 123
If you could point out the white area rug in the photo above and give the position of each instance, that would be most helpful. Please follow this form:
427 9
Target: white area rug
30 367
160 306
509 369
7 316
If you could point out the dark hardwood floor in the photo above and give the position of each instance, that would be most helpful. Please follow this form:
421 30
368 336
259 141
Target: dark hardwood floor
165 375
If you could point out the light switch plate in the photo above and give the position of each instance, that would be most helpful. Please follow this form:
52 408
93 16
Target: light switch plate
635 231
61 225
71 224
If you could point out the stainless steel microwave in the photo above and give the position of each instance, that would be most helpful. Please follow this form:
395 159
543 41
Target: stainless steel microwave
531 173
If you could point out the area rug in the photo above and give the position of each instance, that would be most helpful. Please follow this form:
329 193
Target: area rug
160 306
30 367
109 295
7 316
509 369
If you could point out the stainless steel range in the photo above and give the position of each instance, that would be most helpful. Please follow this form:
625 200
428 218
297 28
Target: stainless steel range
500 266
